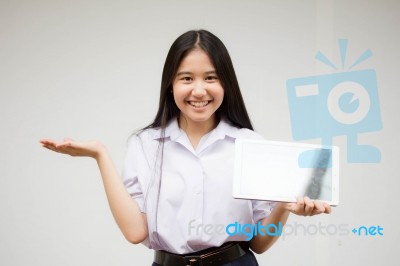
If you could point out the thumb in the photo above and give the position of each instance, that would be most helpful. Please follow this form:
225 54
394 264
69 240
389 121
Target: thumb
292 207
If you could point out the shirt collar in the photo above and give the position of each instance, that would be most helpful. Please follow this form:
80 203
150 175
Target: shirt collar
173 131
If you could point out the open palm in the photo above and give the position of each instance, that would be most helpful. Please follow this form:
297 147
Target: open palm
73 148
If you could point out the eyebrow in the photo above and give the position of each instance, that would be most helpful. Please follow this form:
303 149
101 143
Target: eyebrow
188 73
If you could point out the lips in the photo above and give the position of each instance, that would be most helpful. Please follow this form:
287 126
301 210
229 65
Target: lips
199 104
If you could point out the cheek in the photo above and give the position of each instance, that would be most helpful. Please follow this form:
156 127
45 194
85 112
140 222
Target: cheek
220 95
179 96
176 99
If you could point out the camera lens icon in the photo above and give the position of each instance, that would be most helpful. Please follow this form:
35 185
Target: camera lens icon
348 103
336 104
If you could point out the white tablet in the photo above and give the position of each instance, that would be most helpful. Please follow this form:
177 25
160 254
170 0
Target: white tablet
283 171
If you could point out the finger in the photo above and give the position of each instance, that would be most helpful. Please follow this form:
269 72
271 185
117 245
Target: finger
48 145
300 201
298 207
291 207
309 206
328 208
51 147
66 148
318 207
47 141
65 144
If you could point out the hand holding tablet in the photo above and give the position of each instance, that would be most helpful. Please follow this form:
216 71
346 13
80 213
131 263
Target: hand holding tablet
284 171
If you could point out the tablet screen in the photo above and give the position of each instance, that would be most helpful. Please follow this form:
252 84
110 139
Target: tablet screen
283 171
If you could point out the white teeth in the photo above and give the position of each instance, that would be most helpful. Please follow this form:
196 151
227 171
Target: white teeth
199 104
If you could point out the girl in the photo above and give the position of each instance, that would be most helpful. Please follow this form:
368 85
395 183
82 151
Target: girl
175 196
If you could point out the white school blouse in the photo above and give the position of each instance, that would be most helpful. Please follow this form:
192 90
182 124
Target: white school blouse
193 187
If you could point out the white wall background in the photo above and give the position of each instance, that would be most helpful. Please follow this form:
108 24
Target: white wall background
92 69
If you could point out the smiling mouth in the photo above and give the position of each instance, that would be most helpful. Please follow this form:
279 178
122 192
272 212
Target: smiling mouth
199 104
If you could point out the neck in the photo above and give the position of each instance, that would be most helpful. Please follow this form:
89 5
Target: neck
196 130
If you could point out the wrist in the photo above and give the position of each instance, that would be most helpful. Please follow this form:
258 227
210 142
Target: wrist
100 151
283 207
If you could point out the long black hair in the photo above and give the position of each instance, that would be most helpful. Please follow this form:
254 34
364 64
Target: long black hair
232 107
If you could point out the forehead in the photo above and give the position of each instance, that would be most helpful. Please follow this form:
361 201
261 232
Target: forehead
196 60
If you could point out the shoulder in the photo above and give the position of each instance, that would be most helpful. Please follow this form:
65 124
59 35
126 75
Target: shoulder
239 133
245 133
144 137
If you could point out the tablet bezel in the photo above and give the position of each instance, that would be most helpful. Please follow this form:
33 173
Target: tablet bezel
239 144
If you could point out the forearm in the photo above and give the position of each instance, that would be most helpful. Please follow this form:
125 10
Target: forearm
125 210
260 243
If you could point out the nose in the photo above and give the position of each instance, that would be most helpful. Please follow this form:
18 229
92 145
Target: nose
199 90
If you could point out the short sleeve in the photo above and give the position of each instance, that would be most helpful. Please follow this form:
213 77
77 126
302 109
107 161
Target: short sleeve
130 172
262 209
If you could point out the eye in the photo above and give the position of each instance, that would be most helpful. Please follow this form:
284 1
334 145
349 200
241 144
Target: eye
186 79
211 78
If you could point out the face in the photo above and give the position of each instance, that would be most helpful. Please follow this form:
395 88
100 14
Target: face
197 90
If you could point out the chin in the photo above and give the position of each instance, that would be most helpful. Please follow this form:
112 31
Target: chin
197 119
